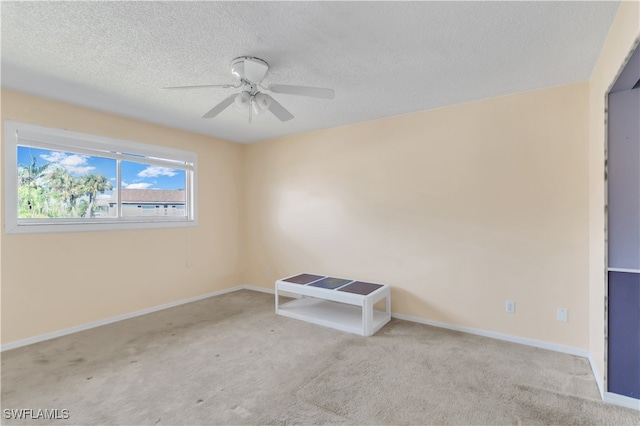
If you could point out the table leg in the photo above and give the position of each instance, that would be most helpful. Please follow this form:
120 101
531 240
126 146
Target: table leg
388 308
367 318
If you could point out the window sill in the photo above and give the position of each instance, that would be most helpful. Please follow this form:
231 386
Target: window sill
38 228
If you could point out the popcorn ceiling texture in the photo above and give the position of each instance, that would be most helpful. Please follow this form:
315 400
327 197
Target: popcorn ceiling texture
382 58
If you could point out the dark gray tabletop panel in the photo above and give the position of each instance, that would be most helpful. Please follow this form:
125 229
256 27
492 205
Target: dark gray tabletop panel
361 287
330 283
303 279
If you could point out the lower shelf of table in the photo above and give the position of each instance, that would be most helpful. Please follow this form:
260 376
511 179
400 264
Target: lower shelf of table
331 314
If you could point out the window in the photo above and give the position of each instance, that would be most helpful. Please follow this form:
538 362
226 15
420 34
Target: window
60 181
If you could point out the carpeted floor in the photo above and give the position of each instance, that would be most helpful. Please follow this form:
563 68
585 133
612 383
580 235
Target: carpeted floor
231 360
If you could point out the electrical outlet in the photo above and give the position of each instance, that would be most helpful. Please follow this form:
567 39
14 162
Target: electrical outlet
510 307
267 271
563 314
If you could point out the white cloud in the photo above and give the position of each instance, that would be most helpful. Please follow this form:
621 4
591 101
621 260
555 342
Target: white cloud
73 163
154 171
54 156
139 185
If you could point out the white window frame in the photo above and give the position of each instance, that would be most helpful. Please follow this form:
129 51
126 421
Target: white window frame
23 134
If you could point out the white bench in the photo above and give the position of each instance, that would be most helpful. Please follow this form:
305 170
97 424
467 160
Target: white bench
342 304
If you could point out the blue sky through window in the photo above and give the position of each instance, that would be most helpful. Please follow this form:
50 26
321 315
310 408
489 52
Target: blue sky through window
134 175
145 176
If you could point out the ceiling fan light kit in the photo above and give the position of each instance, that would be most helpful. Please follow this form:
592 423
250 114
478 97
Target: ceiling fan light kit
242 100
261 103
249 73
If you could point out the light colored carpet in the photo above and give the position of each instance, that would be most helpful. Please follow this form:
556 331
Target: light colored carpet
231 360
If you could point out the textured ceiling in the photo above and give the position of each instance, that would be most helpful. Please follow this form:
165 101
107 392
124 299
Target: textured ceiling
382 58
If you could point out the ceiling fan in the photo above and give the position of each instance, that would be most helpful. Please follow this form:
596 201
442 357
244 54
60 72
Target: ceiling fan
249 72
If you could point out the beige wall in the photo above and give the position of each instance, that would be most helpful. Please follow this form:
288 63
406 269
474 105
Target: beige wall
458 208
620 40
54 281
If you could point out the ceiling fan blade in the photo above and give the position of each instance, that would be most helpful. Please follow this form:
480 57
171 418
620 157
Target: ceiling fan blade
224 86
314 92
254 71
278 110
220 107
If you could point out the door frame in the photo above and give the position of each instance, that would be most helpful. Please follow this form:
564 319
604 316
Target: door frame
609 395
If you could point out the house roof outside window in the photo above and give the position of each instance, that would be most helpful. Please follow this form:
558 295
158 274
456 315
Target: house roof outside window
148 196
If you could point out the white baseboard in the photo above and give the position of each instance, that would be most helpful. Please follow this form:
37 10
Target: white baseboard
596 374
506 337
624 401
87 326
606 396
609 397
500 336
260 289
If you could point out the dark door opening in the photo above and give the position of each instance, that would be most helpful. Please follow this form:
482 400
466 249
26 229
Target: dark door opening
623 232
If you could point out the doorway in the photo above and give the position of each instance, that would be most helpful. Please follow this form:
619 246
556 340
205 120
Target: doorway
623 231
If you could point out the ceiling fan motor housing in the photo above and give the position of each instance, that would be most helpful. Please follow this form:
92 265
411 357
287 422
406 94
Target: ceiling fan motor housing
249 69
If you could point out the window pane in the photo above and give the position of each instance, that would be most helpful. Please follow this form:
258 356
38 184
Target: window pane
57 184
152 190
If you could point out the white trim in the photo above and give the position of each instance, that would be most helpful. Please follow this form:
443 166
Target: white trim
597 376
632 271
18 134
97 226
154 161
87 326
621 400
260 289
607 397
71 139
506 337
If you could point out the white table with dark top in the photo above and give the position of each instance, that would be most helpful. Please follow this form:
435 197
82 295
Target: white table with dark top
343 304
